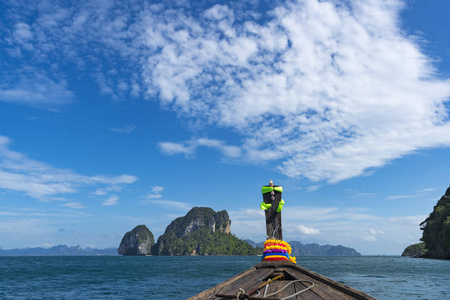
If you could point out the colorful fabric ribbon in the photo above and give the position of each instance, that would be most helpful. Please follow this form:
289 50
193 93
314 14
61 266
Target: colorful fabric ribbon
267 189
280 205
265 206
277 250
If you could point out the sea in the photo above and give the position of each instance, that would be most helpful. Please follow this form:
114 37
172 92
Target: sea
179 277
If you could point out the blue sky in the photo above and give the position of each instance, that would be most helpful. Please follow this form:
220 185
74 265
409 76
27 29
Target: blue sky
120 113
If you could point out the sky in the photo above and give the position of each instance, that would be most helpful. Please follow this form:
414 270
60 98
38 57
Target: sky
120 113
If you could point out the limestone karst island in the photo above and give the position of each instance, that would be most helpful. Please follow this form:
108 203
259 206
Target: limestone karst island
206 232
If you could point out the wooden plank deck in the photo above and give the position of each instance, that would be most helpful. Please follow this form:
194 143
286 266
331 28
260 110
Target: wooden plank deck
251 279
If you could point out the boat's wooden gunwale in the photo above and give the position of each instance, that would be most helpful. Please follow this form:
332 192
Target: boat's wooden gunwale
325 288
215 289
353 293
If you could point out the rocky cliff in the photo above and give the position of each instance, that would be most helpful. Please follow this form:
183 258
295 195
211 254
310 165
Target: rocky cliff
436 229
138 241
201 232
200 218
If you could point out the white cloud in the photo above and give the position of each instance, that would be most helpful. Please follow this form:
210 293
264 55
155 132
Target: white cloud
374 232
157 189
426 190
35 88
125 129
348 93
113 200
22 31
171 148
410 220
156 192
307 230
313 188
219 12
327 91
370 238
76 205
39 180
307 213
401 197
100 192
171 204
188 148
418 194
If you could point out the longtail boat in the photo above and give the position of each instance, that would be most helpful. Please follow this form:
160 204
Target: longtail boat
278 277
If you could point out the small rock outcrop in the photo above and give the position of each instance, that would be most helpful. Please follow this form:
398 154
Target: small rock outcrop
138 241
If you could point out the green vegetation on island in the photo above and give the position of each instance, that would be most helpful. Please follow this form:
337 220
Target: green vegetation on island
204 242
436 229
138 241
202 232
436 232
415 250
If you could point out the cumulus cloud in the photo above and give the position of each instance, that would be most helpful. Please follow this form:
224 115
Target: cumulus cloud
327 90
157 189
156 192
41 181
188 148
154 198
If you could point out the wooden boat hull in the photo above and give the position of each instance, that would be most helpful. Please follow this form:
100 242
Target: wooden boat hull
249 282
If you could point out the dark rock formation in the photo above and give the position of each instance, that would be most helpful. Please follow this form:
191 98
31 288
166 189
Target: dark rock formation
138 241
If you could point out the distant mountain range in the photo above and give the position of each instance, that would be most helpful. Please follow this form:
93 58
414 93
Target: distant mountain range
61 250
299 249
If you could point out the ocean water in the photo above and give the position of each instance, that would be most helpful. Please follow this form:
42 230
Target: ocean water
160 277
